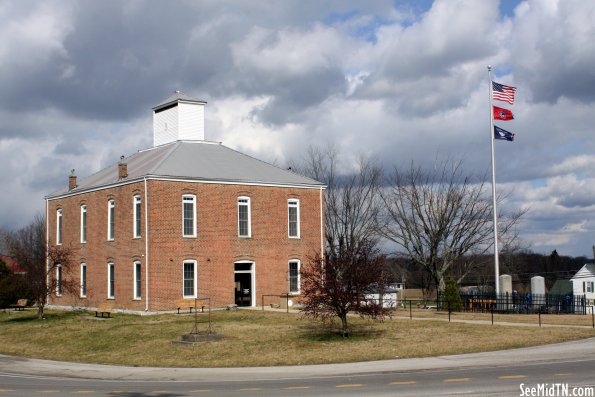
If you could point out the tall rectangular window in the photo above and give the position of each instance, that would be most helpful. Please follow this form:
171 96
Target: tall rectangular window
110 280
189 280
59 226
83 280
137 282
244 227
189 215
136 216
83 223
111 222
293 216
58 280
294 277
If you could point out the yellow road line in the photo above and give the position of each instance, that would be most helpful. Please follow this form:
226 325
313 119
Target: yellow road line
6 390
567 374
350 385
457 380
403 382
48 391
296 387
512 377
201 390
251 389
83 392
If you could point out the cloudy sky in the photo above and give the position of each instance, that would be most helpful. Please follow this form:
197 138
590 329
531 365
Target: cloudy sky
396 80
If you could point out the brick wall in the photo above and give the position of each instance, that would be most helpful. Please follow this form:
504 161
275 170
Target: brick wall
215 248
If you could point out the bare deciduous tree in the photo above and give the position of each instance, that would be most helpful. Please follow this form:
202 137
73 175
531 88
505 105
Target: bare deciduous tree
352 202
28 247
440 217
335 286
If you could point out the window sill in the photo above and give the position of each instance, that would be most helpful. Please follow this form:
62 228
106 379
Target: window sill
111 298
294 293
294 238
137 299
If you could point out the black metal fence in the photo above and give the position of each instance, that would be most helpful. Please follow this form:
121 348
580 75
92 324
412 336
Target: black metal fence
520 303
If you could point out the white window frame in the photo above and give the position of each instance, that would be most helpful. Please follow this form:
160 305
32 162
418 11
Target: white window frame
59 226
136 216
83 280
58 280
293 203
190 199
137 280
245 201
111 222
83 223
299 267
194 279
111 280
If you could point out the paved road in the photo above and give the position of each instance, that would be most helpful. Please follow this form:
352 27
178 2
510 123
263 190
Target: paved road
495 373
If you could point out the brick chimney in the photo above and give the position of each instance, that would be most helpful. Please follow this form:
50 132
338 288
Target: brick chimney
122 169
71 180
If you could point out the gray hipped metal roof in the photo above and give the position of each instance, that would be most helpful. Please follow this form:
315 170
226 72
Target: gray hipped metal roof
175 97
193 160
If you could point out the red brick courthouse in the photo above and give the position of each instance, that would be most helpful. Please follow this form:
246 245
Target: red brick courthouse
186 218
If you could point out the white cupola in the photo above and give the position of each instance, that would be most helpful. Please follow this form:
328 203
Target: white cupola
179 117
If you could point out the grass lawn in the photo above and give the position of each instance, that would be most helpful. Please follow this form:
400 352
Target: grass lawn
251 338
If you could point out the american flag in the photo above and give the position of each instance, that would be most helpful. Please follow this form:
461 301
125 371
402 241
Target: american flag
501 92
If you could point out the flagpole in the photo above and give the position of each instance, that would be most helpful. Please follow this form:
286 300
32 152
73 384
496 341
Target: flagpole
494 210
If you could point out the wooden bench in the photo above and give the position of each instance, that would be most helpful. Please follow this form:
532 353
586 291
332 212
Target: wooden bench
185 304
20 305
104 308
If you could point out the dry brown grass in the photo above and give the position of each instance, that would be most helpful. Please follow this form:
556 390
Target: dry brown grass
252 339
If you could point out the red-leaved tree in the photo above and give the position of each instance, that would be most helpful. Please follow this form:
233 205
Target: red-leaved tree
337 285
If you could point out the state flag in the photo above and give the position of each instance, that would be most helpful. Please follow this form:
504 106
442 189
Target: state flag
502 114
500 133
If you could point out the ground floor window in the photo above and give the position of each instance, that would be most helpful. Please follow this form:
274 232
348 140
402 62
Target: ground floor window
137 282
83 280
110 280
189 279
59 280
294 277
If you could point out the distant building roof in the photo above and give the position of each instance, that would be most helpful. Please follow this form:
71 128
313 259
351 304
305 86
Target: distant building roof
12 264
561 287
587 270
193 160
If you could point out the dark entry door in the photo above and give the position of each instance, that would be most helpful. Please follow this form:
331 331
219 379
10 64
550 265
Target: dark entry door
243 292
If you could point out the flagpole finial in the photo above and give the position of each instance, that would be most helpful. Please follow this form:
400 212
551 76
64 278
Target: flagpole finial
489 68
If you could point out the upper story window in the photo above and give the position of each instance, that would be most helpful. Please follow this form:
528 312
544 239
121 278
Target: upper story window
136 215
59 226
294 277
244 217
83 223
111 222
588 286
189 215
293 217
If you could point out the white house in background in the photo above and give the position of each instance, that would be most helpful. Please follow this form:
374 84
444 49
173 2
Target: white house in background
583 283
